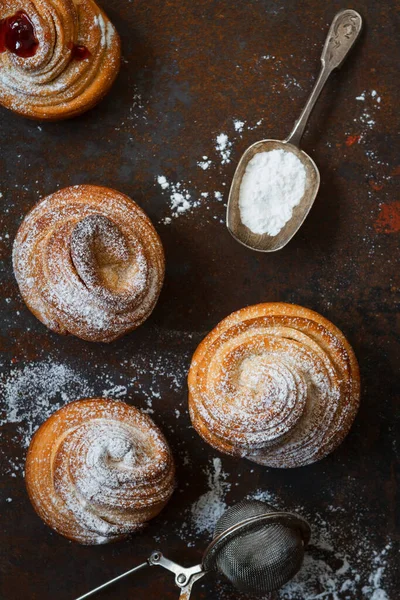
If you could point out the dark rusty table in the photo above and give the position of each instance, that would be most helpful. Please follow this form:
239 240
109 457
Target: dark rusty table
189 70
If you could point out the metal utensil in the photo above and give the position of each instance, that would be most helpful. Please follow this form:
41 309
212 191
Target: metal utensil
255 546
344 31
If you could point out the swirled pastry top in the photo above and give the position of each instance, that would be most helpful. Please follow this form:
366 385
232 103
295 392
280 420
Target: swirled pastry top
276 383
98 470
88 261
52 84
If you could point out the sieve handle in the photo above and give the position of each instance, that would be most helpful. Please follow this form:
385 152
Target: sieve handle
187 590
101 587
184 577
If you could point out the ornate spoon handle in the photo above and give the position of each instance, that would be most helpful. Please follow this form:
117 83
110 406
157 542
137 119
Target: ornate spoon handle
343 32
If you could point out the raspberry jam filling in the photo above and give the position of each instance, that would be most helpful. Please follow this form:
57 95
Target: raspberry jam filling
78 52
17 35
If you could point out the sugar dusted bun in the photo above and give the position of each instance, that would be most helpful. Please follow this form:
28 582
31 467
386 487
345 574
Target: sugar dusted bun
89 262
58 81
98 470
276 383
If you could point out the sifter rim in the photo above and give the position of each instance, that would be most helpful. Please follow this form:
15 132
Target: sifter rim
282 518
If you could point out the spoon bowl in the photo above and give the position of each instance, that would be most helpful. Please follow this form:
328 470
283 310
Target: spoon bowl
344 31
264 242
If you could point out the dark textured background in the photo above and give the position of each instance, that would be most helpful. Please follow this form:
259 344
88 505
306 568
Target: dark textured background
196 65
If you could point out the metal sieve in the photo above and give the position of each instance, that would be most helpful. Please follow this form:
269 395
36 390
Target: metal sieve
257 548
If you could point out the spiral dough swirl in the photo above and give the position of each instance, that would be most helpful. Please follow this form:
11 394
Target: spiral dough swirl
52 84
89 262
98 470
276 383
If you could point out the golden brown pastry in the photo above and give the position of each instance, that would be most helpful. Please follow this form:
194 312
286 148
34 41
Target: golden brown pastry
88 261
276 383
58 58
98 470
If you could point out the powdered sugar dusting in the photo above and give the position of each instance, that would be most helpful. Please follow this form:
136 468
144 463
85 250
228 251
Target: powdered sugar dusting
181 200
45 85
31 394
238 125
370 106
279 389
89 262
184 197
223 147
337 566
103 464
209 507
205 163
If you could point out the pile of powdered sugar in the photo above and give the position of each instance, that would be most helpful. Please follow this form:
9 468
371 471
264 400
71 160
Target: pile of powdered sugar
273 184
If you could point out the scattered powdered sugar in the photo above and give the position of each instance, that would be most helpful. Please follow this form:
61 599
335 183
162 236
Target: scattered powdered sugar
320 576
290 82
224 148
272 185
151 373
373 94
117 391
362 133
31 394
162 181
338 565
238 125
209 507
138 111
183 197
180 198
205 163
371 104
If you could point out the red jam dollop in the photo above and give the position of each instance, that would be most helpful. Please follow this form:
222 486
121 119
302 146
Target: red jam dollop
79 52
17 35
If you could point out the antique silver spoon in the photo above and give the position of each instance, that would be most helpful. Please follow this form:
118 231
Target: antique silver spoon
344 31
